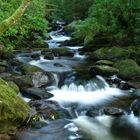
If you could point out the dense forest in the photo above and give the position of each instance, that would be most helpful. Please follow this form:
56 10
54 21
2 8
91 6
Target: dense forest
76 48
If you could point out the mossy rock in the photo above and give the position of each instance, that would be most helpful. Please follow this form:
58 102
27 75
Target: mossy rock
104 62
62 52
14 86
128 68
28 69
13 110
103 70
112 53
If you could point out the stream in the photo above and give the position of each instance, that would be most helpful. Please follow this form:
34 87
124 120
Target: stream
91 108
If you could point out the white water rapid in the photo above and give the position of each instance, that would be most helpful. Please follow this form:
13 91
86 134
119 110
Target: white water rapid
86 95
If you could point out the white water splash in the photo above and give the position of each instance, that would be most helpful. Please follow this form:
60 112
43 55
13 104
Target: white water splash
87 95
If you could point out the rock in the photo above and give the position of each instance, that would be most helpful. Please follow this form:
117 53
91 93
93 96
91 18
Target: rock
24 81
62 52
111 53
134 83
13 110
42 79
104 62
36 93
58 65
135 107
128 69
14 86
94 112
35 56
103 70
49 56
50 110
124 85
112 111
29 69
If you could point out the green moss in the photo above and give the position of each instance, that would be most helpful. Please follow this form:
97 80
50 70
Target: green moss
112 53
104 62
27 69
14 86
105 70
128 68
13 110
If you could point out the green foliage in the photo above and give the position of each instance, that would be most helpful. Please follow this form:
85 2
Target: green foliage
116 20
32 21
70 9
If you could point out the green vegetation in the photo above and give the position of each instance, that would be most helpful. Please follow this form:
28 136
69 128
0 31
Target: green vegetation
30 26
13 110
70 10
109 22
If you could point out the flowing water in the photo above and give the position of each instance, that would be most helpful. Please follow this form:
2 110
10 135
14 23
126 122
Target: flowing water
94 93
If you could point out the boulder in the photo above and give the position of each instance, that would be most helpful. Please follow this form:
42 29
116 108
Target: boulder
36 93
103 70
13 110
104 62
62 52
112 111
29 69
128 69
109 53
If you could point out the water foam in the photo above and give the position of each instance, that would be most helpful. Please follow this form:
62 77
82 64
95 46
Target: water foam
88 95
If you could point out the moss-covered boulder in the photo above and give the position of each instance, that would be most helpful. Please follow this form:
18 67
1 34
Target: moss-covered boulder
103 70
104 62
62 52
29 69
128 69
13 110
111 53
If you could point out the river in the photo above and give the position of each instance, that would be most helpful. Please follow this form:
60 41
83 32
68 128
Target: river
79 99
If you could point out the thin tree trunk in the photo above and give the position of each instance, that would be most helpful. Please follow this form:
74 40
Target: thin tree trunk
7 23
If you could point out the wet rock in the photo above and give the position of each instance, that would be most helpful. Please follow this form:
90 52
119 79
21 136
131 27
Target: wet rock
128 69
50 110
62 52
111 53
13 110
42 79
35 56
94 112
49 56
103 70
135 107
112 111
124 85
36 93
58 65
29 69
104 62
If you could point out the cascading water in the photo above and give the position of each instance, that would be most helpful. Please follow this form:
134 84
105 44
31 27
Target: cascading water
84 96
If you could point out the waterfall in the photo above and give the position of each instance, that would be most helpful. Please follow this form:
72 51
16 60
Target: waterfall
86 95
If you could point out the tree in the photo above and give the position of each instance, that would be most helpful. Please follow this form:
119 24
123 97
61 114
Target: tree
7 23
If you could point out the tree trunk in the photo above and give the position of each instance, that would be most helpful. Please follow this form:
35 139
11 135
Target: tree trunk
7 23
